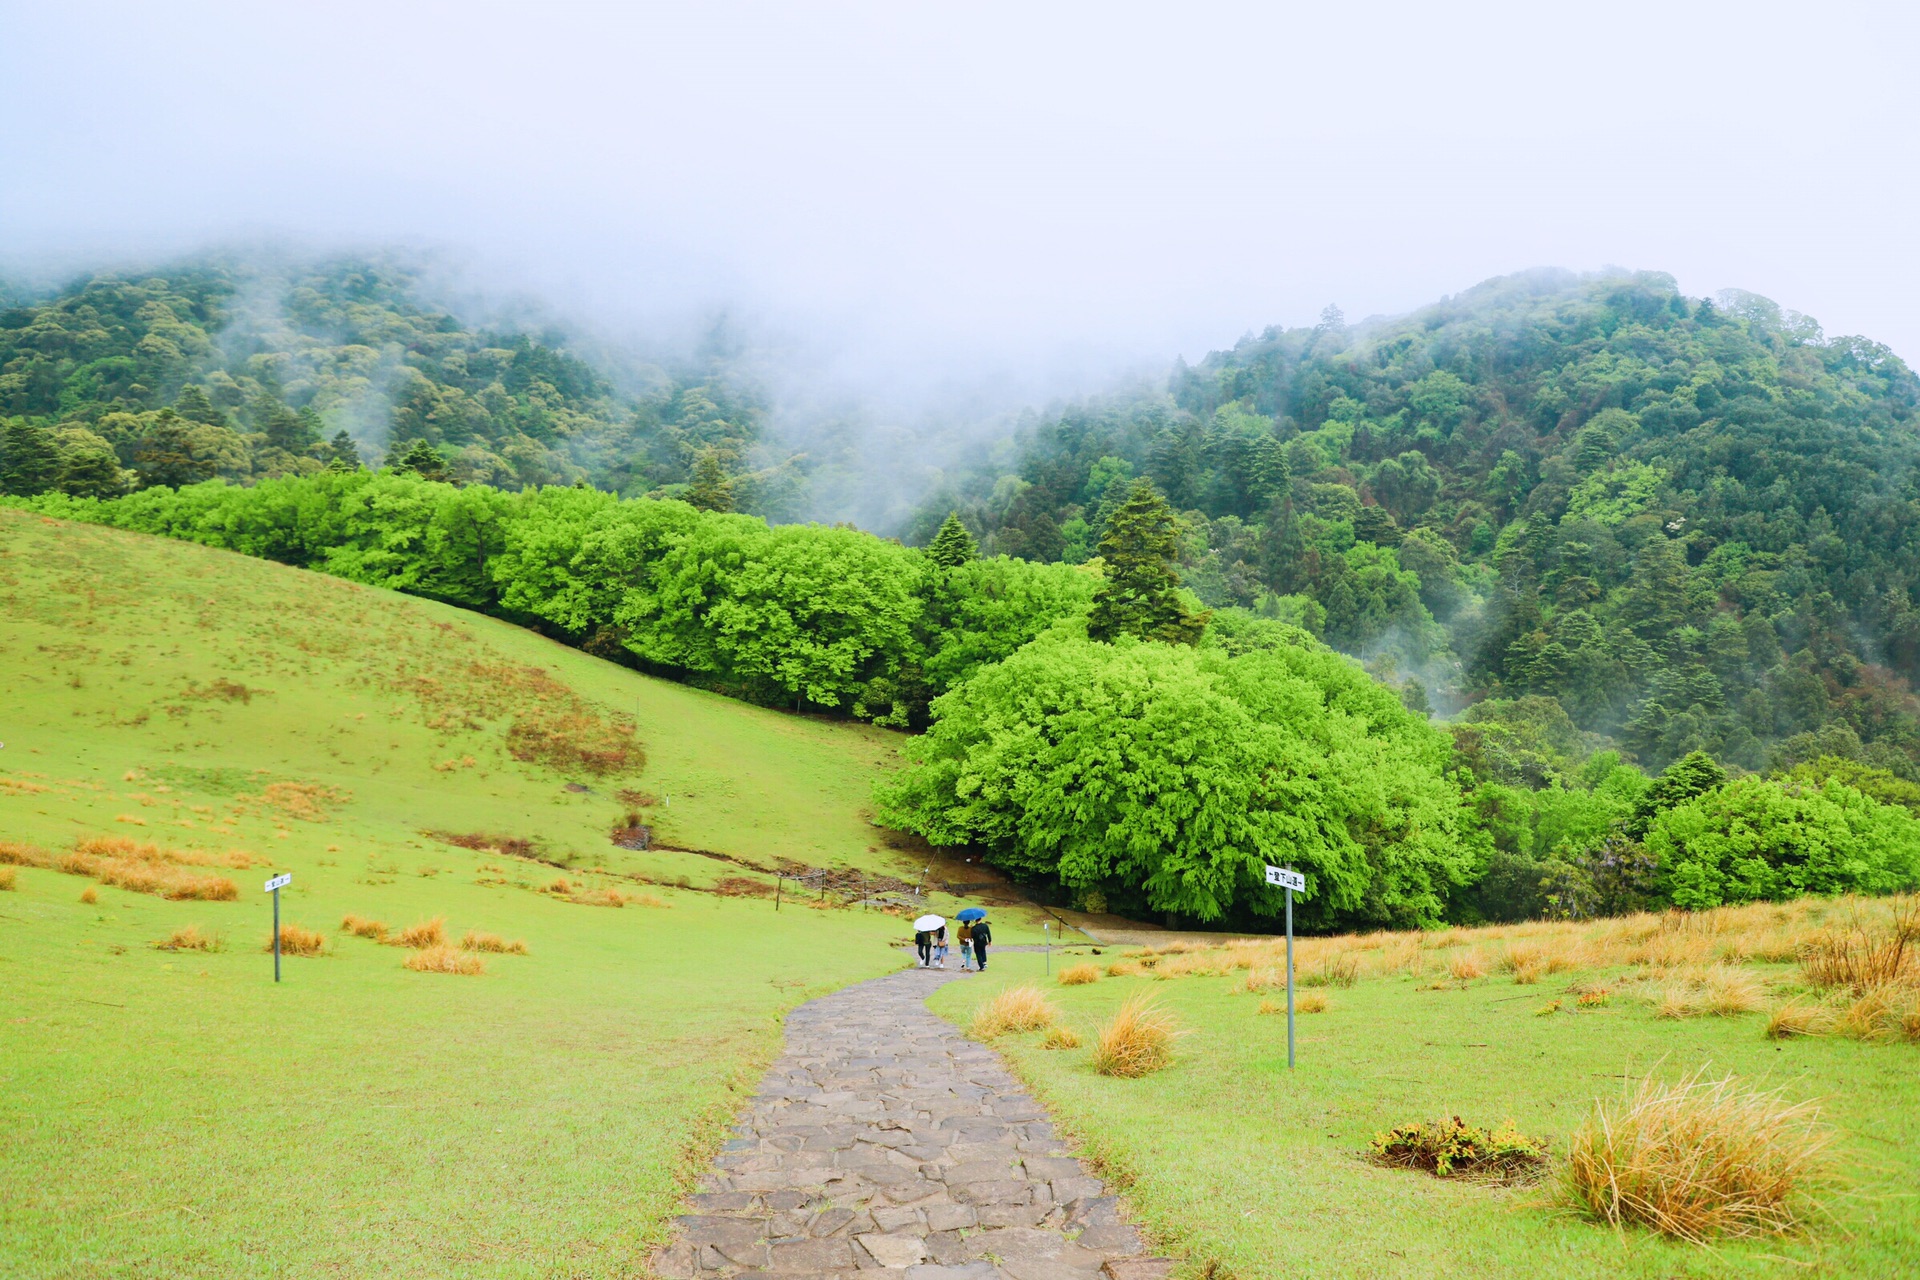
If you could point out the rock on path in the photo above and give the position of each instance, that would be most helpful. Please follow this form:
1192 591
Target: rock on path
885 1139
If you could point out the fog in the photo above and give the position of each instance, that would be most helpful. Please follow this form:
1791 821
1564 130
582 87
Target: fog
944 211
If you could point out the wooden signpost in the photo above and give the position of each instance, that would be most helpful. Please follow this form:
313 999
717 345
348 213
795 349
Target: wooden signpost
1290 880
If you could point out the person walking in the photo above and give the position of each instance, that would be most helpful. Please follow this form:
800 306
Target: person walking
923 943
965 939
982 935
940 947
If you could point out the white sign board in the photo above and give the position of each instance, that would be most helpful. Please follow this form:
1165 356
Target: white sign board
280 881
1287 879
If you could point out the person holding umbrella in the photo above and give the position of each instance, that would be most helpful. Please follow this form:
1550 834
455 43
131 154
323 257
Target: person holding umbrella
923 930
981 934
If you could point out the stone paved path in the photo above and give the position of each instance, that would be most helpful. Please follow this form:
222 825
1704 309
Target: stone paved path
885 1139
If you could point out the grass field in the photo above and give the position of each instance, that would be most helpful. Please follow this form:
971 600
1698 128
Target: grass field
173 1112
1250 1170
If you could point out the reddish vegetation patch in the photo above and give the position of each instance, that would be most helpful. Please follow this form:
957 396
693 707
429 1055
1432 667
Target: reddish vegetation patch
508 846
742 887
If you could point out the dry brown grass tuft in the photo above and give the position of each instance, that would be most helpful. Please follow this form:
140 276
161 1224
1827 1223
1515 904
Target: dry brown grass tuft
493 942
1862 956
742 887
1310 1002
1793 1019
1466 966
1334 971
297 940
1079 975
560 885
444 959
1125 969
144 867
190 938
424 934
361 927
1022 1008
1699 1160
7 878
1060 1038
89 895
14 853
1271 1006
1138 1042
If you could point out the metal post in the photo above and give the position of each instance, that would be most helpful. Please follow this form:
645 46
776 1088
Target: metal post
276 935
1289 977
1046 933
778 881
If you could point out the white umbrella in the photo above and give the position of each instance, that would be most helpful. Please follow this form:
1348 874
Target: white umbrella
927 924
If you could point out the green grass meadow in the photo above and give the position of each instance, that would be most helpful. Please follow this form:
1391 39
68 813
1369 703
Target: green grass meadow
172 1113
1249 1170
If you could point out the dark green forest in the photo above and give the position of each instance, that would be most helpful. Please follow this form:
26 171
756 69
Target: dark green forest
1689 523
237 372
1567 596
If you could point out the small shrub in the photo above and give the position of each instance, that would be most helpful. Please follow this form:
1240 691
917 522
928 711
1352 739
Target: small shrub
1310 1002
493 942
361 927
1022 1008
1079 975
1550 1007
1138 1042
89 895
1860 959
560 885
1700 1159
7 878
297 940
1272 1006
445 959
425 934
1060 1038
1526 974
1455 1149
189 938
1335 971
1593 998
1124 969
1466 966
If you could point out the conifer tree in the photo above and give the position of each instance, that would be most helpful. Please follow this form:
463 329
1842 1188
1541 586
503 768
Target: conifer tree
29 460
420 458
712 487
1141 594
953 546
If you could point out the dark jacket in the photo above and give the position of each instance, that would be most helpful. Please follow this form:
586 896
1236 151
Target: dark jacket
982 934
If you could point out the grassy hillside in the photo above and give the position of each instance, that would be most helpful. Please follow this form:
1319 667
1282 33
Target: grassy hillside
225 718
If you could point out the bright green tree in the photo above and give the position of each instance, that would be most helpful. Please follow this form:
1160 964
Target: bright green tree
1141 594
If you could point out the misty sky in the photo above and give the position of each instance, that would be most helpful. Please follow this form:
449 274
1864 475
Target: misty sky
954 191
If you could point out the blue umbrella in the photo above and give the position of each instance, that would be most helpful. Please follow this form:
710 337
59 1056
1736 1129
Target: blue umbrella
971 914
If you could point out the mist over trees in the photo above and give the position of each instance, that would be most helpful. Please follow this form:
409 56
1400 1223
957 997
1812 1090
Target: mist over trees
1651 557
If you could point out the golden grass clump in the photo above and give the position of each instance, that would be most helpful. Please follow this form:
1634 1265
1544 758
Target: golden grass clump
493 942
361 927
1138 1042
7 878
445 959
1060 1038
89 895
147 868
1079 975
1271 1006
16 854
1310 1002
1884 1013
1125 969
189 938
297 940
1022 1008
1467 965
1794 1019
1334 971
1699 1160
1861 957
424 934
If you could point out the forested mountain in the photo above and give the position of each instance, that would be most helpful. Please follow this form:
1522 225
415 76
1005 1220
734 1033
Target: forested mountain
1686 523
239 372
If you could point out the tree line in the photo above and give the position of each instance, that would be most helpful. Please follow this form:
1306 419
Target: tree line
1091 727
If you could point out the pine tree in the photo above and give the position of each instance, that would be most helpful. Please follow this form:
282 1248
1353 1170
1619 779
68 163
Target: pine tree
953 546
194 406
29 460
346 455
420 458
1141 594
712 487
